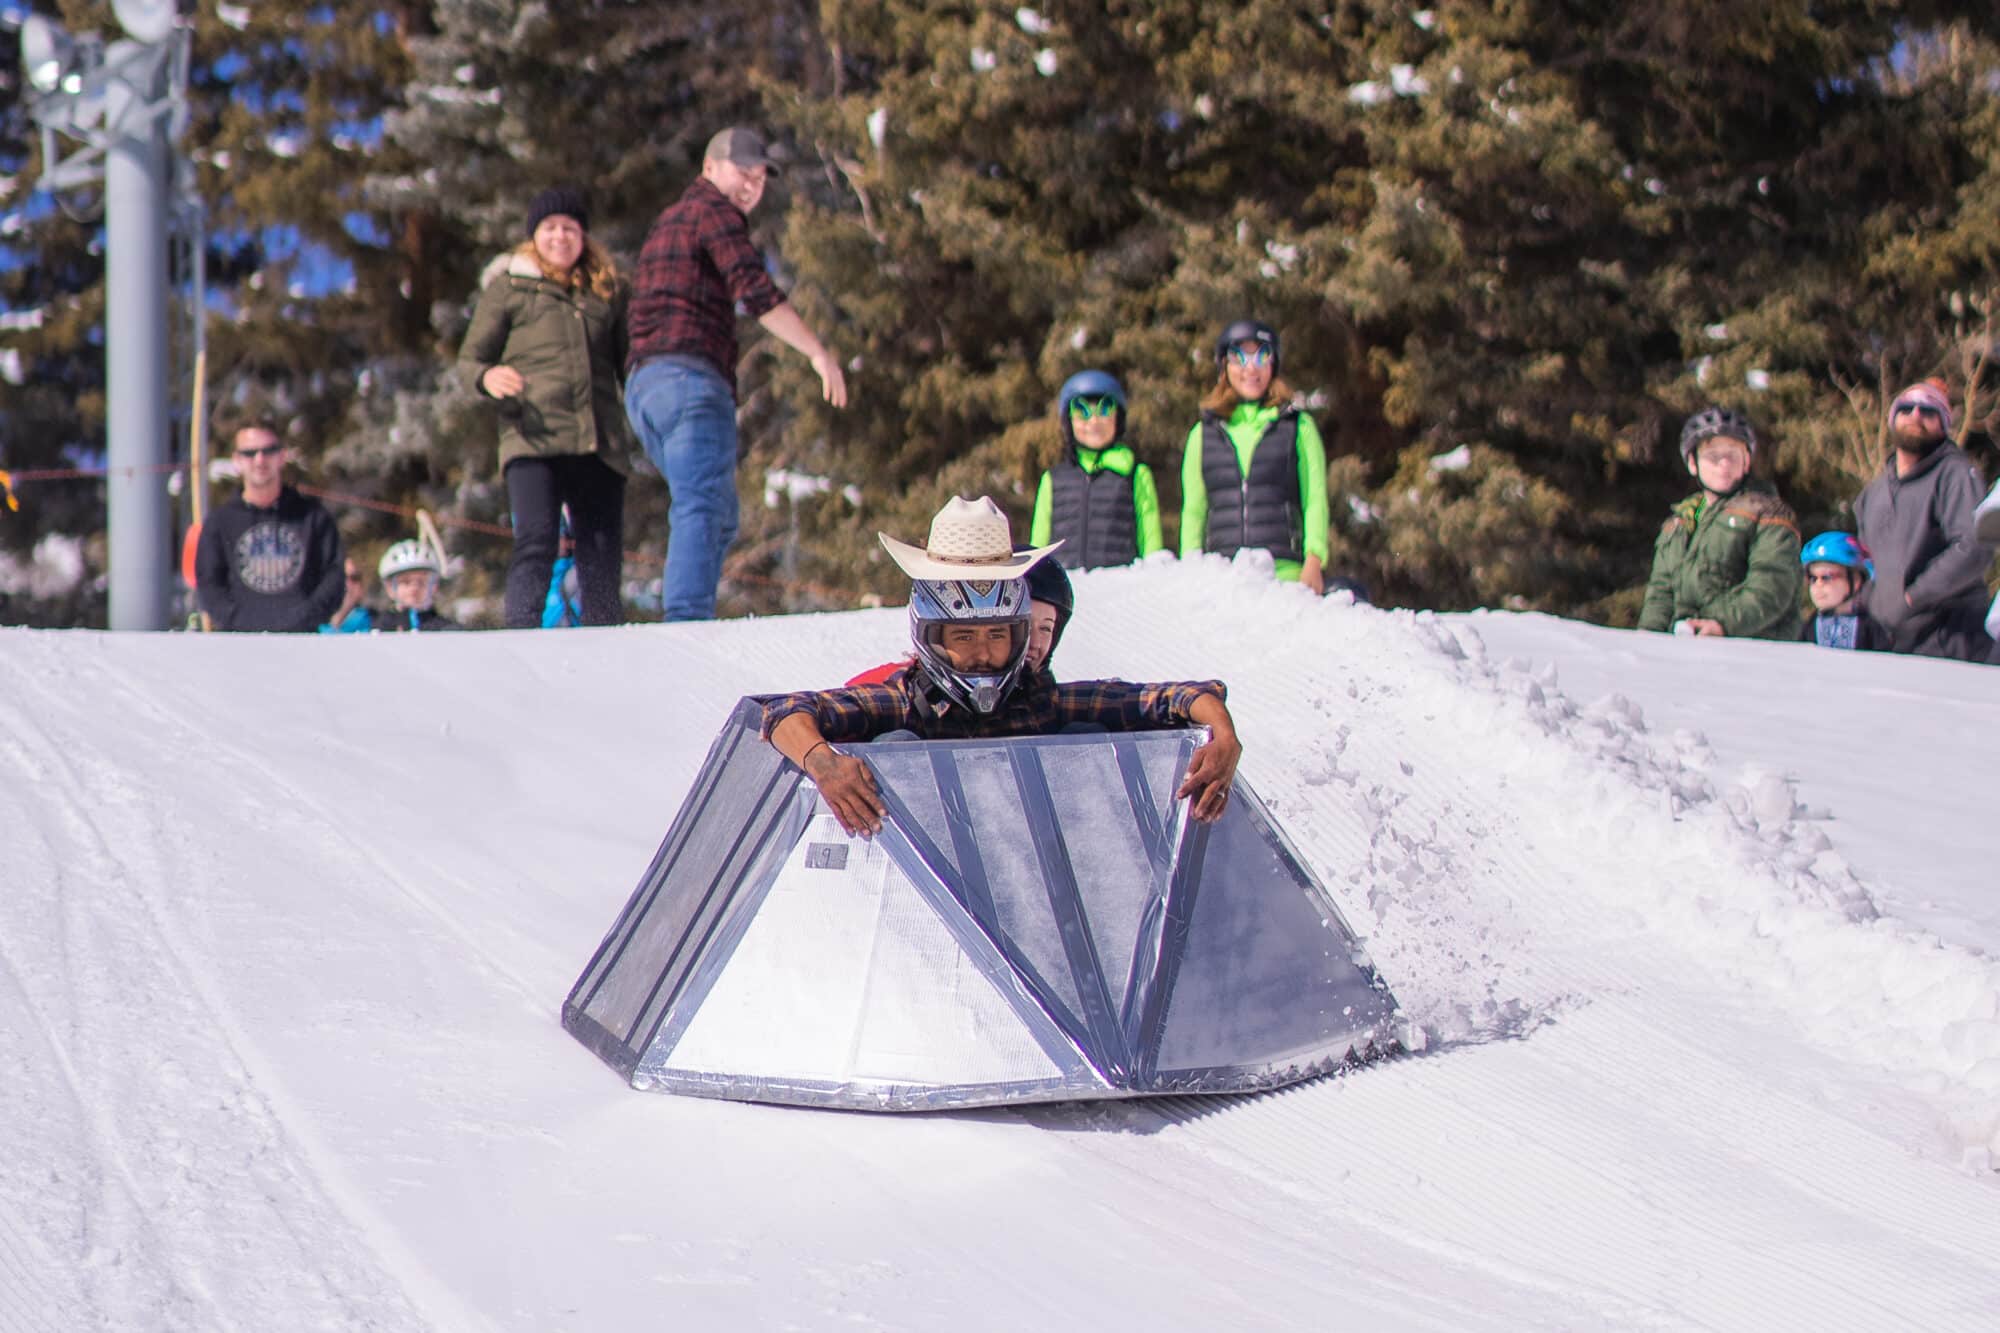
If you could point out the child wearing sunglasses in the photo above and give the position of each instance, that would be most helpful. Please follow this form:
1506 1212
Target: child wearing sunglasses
1918 520
1254 470
1100 501
1837 573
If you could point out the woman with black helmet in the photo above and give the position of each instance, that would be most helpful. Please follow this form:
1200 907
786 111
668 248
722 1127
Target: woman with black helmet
1727 559
1254 471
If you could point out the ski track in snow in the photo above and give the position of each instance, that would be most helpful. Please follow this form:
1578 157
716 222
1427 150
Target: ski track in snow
288 924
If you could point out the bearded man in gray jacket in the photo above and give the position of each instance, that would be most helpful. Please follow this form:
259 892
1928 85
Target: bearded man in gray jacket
1916 519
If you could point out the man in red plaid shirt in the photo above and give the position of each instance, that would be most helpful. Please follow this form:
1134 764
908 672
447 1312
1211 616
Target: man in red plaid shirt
698 268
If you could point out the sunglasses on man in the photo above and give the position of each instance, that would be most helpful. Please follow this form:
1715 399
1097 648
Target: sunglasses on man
259 453
1083 409
1924 410
1250 356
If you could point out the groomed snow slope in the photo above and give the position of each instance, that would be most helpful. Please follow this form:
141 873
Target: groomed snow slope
285 925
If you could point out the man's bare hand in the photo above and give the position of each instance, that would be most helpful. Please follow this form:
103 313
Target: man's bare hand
1708 629
1210 773
848 789
832 382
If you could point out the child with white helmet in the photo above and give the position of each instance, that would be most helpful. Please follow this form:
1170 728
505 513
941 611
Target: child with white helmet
410 573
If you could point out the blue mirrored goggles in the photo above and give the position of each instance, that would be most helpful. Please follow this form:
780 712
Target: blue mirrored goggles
1258 355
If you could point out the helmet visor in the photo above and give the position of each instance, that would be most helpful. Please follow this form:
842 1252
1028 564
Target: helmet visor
972 637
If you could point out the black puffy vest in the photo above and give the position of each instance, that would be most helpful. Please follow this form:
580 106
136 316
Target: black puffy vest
1094 514
1264 508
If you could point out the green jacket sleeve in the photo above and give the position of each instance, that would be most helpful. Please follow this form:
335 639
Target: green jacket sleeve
1767 601
1658 611
486 339
1312 488
1194 498
1146 502
1045 513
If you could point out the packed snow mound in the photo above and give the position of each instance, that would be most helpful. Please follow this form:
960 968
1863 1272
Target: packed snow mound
285 925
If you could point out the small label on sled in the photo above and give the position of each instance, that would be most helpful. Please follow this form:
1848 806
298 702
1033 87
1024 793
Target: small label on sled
826 856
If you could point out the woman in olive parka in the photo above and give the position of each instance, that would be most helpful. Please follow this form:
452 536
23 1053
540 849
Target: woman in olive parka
547 344
1727 559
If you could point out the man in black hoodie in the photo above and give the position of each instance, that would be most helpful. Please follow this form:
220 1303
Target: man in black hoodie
270 559
1916 519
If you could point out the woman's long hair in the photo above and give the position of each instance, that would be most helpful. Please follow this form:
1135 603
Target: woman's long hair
1223 400
595 271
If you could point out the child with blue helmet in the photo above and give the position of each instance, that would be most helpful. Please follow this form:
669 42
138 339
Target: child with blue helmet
1099 501
1837 573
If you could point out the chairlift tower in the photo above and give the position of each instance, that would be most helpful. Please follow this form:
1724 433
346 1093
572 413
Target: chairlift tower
120 105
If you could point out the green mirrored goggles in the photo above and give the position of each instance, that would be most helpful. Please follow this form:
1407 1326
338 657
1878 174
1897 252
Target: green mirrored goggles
1083 409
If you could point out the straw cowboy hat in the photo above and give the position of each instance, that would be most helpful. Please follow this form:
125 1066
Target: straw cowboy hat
969 539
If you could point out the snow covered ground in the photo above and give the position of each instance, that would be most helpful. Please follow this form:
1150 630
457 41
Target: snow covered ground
1703 935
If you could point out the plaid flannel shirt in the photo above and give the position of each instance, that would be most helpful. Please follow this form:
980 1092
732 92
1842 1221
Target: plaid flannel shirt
1039 707
696 267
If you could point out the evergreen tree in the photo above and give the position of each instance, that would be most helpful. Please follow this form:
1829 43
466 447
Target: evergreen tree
1014 194
1588 222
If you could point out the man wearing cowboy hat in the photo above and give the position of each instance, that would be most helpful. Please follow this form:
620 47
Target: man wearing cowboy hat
969 622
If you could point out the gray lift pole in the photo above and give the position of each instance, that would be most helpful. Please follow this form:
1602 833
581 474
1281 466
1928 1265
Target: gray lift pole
124 102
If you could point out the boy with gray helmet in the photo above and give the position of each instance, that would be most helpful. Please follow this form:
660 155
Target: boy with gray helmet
1727 559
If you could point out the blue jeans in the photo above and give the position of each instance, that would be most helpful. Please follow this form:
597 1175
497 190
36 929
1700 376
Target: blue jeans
685 415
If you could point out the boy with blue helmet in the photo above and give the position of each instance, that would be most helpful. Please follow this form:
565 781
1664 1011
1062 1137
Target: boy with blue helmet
1100 501
1837 573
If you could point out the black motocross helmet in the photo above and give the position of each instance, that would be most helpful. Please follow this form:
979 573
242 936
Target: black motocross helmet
1247 331
1049 582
